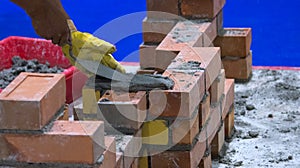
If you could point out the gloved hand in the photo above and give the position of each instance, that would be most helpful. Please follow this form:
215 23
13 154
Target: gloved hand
49 19
88 47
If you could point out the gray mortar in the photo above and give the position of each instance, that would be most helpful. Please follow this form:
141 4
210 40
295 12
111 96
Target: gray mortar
121 141
20 65
233 32
138 82
267 136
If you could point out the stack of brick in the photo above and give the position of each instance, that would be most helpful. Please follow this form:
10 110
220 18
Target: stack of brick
162 16
123 114
235 46
186 126
31 135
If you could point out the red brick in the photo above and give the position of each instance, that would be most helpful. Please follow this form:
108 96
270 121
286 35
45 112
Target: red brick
155 30
189 88
206 162
123 110
218 142
119 160
234 42
31 101
128 148
182 100
201 9
66 142
228 98
213 123
184 34
109 154
147 56
135 163
209 57
162 9
204 110
217 88
184 131
5 151
238 68
132 150
209 30
220 22
229 124
189 159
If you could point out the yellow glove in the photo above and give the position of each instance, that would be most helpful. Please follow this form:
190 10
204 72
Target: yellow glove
88 47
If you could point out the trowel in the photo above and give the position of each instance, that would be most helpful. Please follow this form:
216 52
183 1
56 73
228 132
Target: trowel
107 78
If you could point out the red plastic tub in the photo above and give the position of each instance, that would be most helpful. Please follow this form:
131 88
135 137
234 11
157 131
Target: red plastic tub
42 50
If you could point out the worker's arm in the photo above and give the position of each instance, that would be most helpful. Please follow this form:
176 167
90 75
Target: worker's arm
49 19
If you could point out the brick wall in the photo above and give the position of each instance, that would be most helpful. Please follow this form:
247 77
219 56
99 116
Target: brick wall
183 127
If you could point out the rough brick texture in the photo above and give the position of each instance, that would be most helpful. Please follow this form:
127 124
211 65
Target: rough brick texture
109 155
189 87
186 33
123 111
201 8
31 101
184 131
228 100
229 124
213 124
155 30
238 68
66 142
220 22
147 56
182 100
209 59
204 110
162 9
206 162
217 88
218 142
181 158
128 148
234 41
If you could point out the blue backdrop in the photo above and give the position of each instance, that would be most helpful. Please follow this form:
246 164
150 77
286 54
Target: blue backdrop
275 24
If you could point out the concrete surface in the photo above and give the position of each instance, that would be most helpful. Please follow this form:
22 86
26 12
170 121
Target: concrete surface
267 122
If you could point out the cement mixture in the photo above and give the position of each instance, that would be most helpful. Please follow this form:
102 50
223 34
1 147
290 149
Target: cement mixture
267 122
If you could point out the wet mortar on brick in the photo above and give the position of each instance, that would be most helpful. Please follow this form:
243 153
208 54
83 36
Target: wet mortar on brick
137 82
225 32
267 122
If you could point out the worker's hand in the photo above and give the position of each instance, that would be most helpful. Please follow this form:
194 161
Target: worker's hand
52 25
88 47
49 19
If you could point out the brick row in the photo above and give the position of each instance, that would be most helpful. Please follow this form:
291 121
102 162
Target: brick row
217 88
128 149
228 100
65 142
238 68
31 101
185 8
229 124
120 111
235 42
123 111
155 30
186 33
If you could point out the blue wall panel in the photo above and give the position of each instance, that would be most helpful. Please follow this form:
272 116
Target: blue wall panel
276 28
